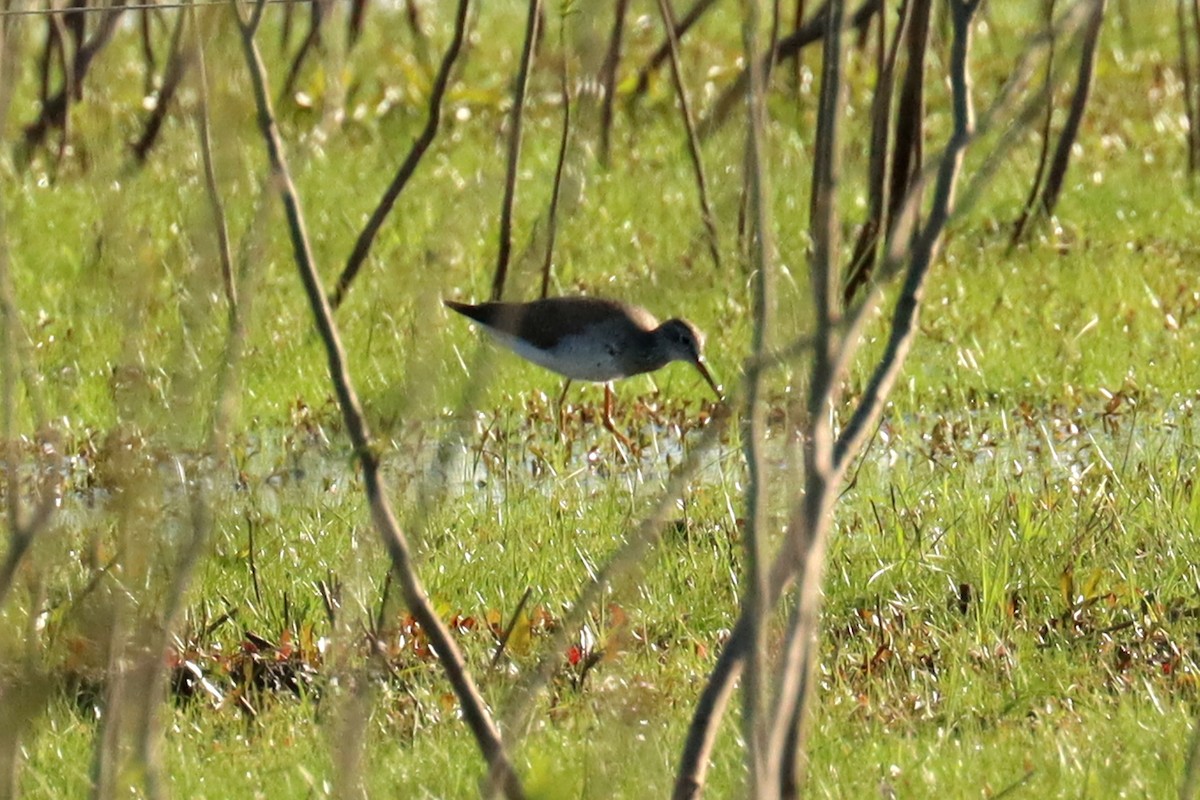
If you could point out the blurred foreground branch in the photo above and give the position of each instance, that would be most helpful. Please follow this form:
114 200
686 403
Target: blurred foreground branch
801 556
473 707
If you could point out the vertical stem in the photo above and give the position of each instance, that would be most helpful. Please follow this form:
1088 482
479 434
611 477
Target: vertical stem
908 147
797 62
756 609
474 709
608 79
820 479
433 120
1185 71
866 248
552 215
1057 172
1039 171
689 124
504 252
212 189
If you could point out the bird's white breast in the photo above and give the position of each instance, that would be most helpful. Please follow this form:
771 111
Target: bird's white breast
580 358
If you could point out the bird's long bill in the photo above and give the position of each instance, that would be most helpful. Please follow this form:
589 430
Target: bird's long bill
700 365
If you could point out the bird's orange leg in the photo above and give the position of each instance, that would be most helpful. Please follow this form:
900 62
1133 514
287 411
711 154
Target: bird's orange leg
608 423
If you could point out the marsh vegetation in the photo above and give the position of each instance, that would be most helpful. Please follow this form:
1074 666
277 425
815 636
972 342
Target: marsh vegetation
944 529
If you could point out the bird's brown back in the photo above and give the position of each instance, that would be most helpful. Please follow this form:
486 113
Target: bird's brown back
542 323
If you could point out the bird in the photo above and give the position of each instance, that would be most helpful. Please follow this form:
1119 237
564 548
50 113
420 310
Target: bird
586 338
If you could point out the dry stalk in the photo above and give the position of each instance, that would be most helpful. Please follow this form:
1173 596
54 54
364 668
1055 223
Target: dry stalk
866 247
1039 171
517 115
689 125
756 610
664 49
1057 171
178 62
802 553
564 139
149 724
608 79
820 477
908 149
215 202
474 709
362 246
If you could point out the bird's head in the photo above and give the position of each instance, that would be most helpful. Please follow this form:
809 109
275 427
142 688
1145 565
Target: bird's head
683 342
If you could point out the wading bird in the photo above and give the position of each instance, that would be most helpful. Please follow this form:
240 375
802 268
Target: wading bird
590 339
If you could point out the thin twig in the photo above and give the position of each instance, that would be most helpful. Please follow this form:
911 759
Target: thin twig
316 20
516 116
908 149
177 66
552 214
608 79
362 246
149 730
664 49
212 190
866 247
714 697
755 715
1039 171
512 625
1057 171
474 709
812 507
689 124
797 64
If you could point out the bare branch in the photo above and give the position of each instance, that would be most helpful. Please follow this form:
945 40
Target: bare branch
1070 132
788 47
924 245
866 247
177 65
810 517
552 214
664 50
362 246
1039 171
473 707
755 608
689 124
517 115
212 190
316 21
803 548
608 79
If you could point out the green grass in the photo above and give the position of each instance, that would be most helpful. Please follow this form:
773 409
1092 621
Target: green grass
1011 596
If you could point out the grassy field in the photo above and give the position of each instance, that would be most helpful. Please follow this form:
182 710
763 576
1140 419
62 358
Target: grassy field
1012 602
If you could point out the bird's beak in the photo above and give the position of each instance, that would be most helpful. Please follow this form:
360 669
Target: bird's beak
700 365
